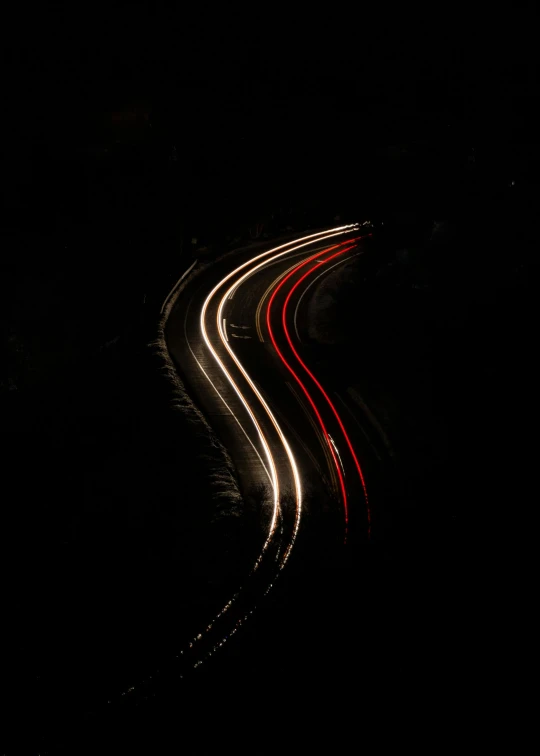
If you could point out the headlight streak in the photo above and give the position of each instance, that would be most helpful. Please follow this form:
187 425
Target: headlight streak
314 379
298 244
268 290
337 452
268 453
203 371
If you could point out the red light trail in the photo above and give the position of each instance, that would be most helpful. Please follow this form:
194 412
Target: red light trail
308 371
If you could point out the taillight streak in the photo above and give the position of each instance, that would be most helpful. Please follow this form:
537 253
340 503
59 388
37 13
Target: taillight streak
314 379
297 378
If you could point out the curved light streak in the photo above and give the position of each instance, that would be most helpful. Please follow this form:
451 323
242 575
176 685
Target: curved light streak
268 290
219 323
337 452
298 244
287 248
292 246
262 438
210 381
314 379
299 381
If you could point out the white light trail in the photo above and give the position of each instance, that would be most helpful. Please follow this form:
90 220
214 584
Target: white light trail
337 452
272 474
273 470
210 381
286 248
294 467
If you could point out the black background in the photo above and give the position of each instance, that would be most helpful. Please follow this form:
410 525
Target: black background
261 110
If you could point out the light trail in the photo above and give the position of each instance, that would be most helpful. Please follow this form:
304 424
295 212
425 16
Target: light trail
337 452
293 246
297 378
210 381
262 299
318 435
268 290
298 244
287 248
314 379
272 473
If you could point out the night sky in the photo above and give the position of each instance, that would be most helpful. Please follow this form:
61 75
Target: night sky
71 57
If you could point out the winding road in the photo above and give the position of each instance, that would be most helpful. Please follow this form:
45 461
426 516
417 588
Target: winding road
235 333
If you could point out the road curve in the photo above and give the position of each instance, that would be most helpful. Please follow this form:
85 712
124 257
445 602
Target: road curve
231 335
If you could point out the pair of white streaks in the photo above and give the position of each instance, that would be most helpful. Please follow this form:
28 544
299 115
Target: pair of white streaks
250 267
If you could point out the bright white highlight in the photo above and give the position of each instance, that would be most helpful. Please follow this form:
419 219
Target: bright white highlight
265 258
